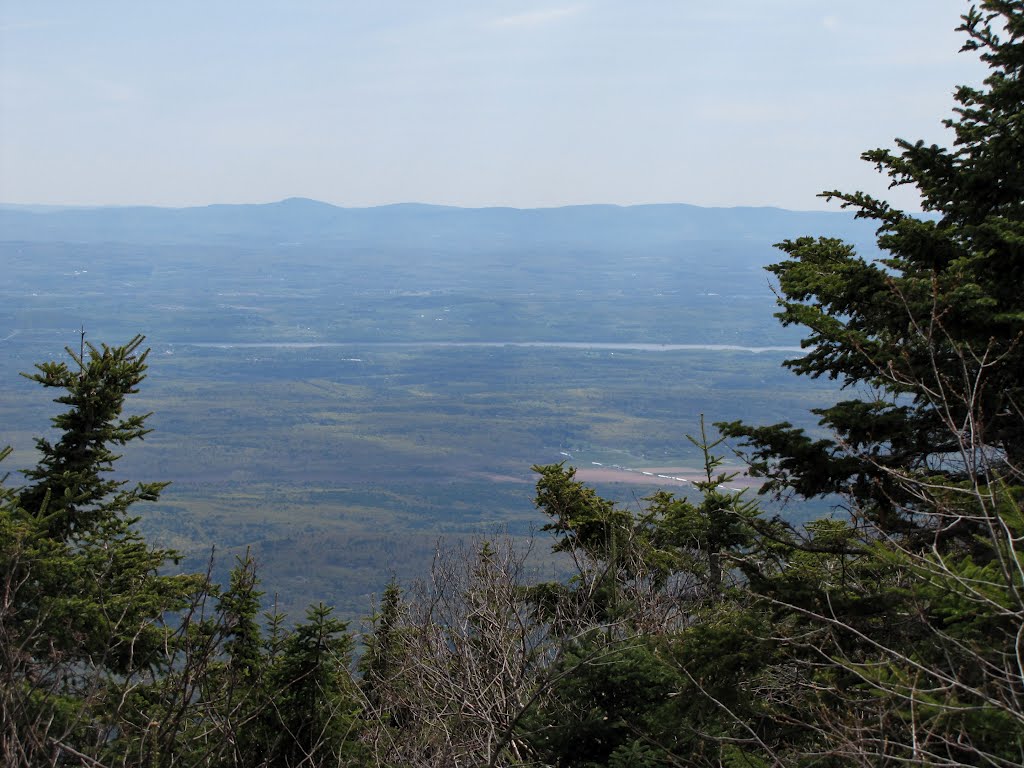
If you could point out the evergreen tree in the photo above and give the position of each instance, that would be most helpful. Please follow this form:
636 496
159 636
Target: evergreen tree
313 713
382 657
703 538
899 623
81 621
599 537
70 486
935 330
240 606
239 690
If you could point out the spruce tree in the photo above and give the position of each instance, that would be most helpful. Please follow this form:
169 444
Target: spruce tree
71 488
902 624
314 710
82 619
933 332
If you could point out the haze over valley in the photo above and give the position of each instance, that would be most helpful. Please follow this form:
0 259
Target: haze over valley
337 388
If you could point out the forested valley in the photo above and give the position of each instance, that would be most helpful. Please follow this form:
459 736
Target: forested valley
689 630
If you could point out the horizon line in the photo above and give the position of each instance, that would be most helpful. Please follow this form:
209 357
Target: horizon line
57 207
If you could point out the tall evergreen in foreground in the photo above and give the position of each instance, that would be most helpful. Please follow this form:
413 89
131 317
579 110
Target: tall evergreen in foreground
930 339
107 661
904 622
81 619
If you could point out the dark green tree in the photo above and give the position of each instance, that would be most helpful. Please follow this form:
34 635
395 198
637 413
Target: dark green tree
71 487
382 657
82 617
933 333
702 539
899 621
604 711
238 688
314 705
239 608
599 537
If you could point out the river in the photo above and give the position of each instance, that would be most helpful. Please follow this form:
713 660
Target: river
603 345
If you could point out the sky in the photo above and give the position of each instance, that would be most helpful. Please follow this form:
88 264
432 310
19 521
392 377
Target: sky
468 102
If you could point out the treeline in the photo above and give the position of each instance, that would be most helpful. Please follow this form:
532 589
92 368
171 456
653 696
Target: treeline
696 632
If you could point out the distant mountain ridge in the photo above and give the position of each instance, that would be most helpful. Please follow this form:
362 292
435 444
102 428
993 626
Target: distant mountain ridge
308 222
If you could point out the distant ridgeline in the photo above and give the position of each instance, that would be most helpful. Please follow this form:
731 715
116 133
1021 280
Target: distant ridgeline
298 220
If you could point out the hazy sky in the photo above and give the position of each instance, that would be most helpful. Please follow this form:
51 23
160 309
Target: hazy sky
466 102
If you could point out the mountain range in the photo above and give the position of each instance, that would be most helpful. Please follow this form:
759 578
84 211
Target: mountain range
302 221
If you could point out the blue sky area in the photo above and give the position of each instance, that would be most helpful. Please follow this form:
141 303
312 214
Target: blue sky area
467 102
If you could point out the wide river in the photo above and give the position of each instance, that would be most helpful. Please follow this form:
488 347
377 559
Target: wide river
614 346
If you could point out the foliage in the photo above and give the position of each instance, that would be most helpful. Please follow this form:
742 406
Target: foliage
687 632
933 332
81 619
106 659
914 606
